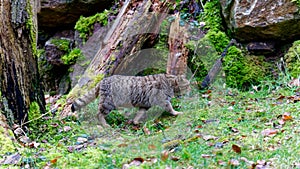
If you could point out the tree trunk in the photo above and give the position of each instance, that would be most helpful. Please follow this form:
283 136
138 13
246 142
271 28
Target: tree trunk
19 80
178 37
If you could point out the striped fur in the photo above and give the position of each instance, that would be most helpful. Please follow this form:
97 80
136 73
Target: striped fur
134 91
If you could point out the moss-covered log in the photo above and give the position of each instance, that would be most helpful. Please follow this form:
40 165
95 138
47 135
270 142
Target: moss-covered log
19 78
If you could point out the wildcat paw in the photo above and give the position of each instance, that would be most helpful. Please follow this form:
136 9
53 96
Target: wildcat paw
176 113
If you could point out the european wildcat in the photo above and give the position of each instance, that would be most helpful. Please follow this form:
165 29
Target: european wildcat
137 91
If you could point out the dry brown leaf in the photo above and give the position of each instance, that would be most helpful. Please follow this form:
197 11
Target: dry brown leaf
53 161
286 116
175 158
206 156
269 132
220 162
236 149
151 147
123 145
164 155
136 161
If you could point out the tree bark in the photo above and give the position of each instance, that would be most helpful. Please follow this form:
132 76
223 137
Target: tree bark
178 37
19 78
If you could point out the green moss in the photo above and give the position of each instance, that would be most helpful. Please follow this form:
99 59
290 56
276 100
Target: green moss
96 80
243 71
62 44
85 25
212 15
292 59
218 39
71 57
32 29
5 141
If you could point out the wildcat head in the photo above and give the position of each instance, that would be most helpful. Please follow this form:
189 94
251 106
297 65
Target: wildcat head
180 83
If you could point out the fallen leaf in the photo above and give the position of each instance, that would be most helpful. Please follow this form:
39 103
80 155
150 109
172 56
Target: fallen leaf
281 121
209 137
269 132
33 144
164 155
286 116
234 162
206 156
297 164
12 159
53 161
151 147
236 149
175 158
67 128
280 97
246 161
222 163
123 145
261 162
146 131
70 149
136 161
295 82
235 130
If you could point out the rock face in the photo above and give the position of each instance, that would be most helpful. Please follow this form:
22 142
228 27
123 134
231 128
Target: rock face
262 20
65 13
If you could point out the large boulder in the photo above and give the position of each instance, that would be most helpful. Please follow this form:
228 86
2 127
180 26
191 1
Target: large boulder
62 14
267 20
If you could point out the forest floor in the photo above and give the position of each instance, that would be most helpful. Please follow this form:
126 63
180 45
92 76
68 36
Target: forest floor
220 128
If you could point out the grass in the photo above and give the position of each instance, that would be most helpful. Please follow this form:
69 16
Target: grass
220 128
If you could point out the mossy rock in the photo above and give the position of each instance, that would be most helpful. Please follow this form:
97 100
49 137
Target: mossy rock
244 71
292 59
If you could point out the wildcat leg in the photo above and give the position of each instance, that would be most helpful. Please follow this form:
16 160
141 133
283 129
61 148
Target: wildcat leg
138 115
168 107
105 106
102 121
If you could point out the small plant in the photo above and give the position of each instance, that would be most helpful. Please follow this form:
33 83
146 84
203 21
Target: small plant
71 57
85 25
62 44
33 115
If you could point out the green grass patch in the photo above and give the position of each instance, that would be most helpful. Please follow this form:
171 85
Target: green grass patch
261 124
